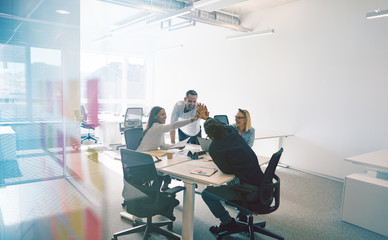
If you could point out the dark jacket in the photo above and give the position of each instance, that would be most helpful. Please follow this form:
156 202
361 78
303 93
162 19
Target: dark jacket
232 155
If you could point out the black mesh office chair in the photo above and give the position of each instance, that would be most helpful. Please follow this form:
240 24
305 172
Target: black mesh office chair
268 201
132 119
86 125
142 195
222 119
133 137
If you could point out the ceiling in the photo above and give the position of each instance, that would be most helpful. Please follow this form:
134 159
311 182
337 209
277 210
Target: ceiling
36 22
222 13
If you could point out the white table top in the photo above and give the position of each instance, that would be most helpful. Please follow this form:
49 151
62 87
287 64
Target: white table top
377 160
177 159
263 134
182 170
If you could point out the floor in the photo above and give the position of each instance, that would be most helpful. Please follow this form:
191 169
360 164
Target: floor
84 206
88 205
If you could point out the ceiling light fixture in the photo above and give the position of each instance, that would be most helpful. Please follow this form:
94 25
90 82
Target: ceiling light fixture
180 26
377 14
102 38
171 15
251 34
130 22
61 11
213 5
170 48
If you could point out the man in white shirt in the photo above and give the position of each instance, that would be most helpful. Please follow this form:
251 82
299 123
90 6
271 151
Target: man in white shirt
186 110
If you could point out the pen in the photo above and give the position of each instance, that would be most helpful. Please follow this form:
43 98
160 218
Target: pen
158 160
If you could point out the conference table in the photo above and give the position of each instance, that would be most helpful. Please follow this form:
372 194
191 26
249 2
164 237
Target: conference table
180 166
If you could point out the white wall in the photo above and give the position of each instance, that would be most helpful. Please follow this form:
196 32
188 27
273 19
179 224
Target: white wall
322 76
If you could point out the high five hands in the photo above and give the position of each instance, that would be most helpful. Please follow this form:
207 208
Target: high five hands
202 111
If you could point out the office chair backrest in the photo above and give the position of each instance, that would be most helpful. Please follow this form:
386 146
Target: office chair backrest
84 115
270 190
133 117
273 163
222 119
133 137
140 173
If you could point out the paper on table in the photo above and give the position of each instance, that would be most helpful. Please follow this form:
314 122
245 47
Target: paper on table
157 153
181 143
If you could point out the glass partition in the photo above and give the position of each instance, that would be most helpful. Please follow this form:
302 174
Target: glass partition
45 189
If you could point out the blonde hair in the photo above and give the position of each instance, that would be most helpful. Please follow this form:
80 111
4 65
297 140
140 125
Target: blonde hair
248 124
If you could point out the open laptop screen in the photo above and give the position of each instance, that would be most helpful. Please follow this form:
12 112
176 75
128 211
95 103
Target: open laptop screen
205 143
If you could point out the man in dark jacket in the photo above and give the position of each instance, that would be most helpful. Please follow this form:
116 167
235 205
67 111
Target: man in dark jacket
232 155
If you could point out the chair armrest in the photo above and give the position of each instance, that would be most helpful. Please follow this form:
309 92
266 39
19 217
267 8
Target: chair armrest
173 190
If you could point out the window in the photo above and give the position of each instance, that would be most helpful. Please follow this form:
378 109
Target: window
122 81
12 83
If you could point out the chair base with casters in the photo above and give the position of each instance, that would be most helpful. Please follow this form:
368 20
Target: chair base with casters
250 228
154 227
88 137
149 227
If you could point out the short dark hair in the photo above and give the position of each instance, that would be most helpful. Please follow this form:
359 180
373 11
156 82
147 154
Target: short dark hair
214 129
191 92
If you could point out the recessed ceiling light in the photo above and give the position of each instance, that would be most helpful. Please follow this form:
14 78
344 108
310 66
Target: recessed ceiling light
60 11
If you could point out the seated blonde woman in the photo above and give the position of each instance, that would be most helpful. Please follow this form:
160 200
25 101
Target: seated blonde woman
244 127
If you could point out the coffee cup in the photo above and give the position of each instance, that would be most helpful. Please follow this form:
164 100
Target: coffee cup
170 154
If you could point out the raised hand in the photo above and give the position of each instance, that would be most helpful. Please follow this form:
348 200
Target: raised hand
202 111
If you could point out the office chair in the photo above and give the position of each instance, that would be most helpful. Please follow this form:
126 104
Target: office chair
86 125
222 119
132 119
268 201
142 195
133 137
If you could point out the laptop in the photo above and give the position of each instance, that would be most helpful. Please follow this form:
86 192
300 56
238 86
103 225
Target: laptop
205 143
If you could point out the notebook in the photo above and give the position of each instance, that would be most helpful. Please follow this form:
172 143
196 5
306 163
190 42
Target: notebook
205 143
204 171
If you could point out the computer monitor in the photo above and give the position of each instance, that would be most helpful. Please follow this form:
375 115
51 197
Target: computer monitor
222 119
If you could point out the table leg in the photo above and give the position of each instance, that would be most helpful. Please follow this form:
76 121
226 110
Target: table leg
280 145
188 211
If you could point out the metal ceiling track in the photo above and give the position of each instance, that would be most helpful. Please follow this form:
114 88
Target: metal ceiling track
203 11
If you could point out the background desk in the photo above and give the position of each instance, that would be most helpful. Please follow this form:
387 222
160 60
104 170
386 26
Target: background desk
265 134
365 196
268 134
109 130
